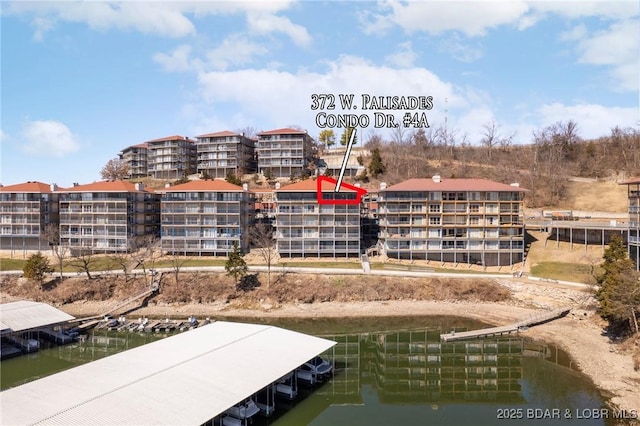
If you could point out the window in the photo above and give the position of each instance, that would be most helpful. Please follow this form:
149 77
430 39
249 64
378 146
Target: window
434 220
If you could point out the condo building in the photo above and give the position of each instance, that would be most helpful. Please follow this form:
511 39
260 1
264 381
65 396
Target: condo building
225 152
135 157
633 237
305 228
473 221
172 157
107 217
205 218
25 211
284 152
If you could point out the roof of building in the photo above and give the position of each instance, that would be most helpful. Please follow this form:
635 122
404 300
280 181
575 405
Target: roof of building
219 134
170 138
185 379
631 181
418 184
31 186
283 131
25 315
307 185
203 186
105 186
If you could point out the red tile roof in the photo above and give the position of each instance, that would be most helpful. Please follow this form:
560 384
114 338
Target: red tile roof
216 185
284 131
631 181
170 138
310 185
219 134
105 186
32 186
417 184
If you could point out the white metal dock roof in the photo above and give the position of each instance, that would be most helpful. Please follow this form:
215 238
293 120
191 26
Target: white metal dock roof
25 315
185 379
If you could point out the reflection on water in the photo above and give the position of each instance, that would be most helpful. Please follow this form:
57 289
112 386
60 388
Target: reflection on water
390 371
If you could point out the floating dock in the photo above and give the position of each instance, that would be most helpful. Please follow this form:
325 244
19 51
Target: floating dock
506 329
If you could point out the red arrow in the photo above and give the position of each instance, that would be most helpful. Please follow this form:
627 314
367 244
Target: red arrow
359 191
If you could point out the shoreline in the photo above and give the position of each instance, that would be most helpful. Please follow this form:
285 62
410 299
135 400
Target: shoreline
580 333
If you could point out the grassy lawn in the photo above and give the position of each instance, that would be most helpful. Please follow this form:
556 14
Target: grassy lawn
563 271
166 263
422 268
12 264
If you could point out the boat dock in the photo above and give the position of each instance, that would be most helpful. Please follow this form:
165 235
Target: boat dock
506 329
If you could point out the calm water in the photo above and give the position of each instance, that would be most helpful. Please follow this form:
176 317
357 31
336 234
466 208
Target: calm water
392 371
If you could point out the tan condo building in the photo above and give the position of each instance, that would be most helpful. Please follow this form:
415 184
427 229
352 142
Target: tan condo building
25 211
172 157
284 152
135 157
473 221
107 217
305 228
225 152
205 217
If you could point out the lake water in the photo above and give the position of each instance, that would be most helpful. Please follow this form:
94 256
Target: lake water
395 371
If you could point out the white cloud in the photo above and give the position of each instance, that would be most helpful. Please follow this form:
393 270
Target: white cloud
461 50
617 47
576 33
472 18
48 138
236 49
593 120
265 23
169 19
176 61
405 56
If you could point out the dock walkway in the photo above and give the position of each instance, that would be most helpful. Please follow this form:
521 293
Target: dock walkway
506 329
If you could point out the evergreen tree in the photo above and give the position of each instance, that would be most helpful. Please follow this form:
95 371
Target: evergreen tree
236 266
619 292
232 178
376 167
37 267
327 138
346 135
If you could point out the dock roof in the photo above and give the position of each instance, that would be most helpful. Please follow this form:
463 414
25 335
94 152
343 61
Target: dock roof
185 379
26 315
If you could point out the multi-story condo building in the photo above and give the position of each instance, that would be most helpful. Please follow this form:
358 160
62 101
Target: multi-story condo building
25 211
305 228
284 152
265 206
225 152
172 157
105 217
205 217
135 157
473 221
633 236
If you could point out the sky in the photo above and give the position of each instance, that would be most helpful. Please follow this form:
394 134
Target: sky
82 80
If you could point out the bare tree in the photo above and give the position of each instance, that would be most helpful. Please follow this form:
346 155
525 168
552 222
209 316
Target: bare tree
262 240
52 236
145 251
248 132
115 169
122 261
84 260
177 262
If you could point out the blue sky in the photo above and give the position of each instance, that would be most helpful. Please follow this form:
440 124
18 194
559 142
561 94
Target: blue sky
81 81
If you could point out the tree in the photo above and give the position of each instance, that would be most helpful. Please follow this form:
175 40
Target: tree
145 250
376 166
619 292
37 267
115 169
327 138
248 132
232 178
83 259
60 251
261 237
235 266
122 261
177 262
346 136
